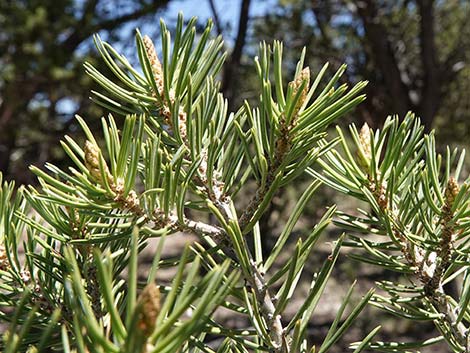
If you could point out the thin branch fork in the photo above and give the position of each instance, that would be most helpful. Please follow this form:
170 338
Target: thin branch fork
258 281
220 236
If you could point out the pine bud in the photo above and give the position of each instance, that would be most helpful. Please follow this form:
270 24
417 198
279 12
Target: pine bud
304 75
364 141
92 162
149 303
451 191
154 62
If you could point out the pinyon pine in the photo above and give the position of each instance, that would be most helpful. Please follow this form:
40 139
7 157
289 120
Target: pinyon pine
172 159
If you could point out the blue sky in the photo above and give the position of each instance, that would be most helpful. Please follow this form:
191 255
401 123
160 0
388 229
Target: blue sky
228 11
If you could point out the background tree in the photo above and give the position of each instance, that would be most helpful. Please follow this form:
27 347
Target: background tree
42 81
412 52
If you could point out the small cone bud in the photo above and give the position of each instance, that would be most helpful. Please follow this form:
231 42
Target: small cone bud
154 62
92 161
364 140
149 303
451 191
304 75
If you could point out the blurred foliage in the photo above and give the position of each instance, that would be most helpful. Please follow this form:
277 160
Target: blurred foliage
43 45
414 53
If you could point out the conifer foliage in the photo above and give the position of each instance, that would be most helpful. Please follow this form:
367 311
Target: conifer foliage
419 217
170 158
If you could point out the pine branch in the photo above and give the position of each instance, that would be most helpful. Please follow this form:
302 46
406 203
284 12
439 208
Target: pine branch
300 87
177 149
418 208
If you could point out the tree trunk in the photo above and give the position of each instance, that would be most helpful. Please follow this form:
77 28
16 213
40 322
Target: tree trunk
231 67
382 53
430 92
15 99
